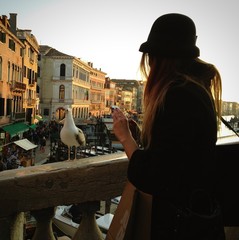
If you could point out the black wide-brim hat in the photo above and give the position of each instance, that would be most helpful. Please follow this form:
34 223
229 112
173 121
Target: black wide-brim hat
172 35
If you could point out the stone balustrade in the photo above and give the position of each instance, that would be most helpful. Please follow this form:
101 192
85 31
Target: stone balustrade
39 189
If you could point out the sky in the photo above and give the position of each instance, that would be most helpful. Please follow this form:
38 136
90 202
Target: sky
108 33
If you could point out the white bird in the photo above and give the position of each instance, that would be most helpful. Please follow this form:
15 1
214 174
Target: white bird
70 134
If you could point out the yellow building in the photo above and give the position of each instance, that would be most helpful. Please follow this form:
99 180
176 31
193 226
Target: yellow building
30 56
97 91
12 87
18 76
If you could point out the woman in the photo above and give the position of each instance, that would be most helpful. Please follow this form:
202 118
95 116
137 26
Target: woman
182 99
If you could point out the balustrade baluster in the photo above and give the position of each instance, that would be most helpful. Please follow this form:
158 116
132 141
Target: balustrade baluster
11 227
88 228
44 224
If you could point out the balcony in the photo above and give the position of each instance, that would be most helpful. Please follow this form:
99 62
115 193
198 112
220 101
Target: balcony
30 102
18 87
39 189
31 83
18 116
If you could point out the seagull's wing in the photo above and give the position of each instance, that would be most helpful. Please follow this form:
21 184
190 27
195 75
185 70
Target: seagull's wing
80 137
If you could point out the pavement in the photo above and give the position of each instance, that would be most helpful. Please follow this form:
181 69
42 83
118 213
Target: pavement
41 156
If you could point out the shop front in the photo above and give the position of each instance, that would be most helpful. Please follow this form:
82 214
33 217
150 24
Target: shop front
26 156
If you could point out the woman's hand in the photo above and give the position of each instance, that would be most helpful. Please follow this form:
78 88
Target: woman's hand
120 125
123 133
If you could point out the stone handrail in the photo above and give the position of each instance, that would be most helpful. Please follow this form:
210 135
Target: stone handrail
39 189
62 183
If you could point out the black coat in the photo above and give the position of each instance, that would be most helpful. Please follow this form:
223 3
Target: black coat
181 156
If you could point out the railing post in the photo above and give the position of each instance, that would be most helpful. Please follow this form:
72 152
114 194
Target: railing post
107 206
44 224
88 228
17 232
12 227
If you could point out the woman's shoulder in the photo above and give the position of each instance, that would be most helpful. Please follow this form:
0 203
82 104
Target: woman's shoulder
186 89
187 96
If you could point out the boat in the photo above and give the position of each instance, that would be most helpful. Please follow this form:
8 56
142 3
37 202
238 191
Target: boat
63 221
116 200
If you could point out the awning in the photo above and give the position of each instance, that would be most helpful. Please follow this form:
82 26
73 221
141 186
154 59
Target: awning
15 128
25 144
33 126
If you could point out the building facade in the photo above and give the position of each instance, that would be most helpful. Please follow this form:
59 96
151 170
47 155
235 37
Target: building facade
110 95
97 91
30 60
63 80
17 78
129 94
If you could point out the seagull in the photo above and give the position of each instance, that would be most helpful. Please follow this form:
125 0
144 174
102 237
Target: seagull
70 134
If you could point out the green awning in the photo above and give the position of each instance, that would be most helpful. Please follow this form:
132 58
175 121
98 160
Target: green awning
14 129
33 126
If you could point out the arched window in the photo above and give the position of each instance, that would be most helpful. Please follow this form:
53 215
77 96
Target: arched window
63 70
61 92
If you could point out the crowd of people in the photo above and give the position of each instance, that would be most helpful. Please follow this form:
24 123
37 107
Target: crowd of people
12 154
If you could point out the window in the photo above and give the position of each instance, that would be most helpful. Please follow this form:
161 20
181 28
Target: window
63 70
2 106
46 111
35 76
9 106
61 92
31 54
2 37
13 73
30 76
11 44
86 95
83 75
38 89
38 71
21 52
9 72
25 71
17 74
0 68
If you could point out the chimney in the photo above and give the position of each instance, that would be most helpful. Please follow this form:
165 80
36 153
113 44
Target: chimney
13 23
90 64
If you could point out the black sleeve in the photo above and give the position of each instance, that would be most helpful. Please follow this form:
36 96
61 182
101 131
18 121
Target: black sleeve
182 132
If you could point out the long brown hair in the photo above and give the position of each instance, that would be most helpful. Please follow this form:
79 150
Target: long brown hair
160 73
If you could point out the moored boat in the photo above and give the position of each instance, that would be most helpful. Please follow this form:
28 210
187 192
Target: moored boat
64 222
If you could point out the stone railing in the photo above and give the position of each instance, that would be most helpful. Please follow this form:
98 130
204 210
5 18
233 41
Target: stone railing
39 189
